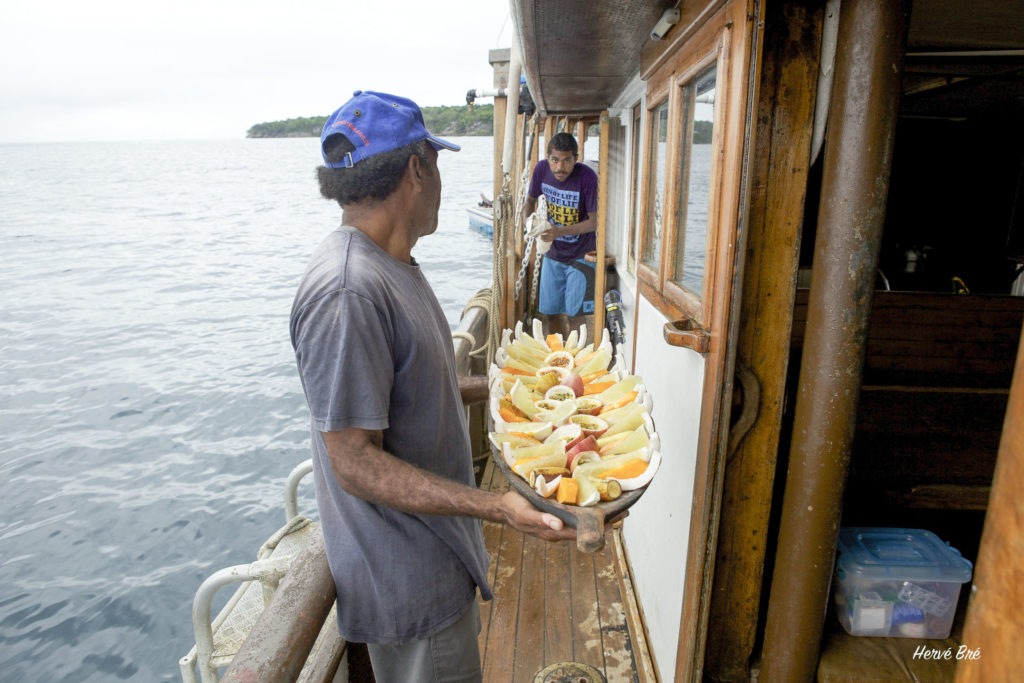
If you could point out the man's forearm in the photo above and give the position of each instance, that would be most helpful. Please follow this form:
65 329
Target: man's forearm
370 473
473 389
529 206
365 470
589 225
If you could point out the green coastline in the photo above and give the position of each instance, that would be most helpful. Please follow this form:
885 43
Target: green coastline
452 121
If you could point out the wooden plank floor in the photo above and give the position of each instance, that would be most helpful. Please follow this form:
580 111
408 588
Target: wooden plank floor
552 604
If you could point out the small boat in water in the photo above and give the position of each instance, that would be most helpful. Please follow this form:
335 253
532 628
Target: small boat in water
481 220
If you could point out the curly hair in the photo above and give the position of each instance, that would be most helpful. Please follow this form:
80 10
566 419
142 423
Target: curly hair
373 178
564 142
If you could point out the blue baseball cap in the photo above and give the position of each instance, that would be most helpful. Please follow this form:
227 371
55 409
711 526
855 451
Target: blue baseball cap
375 122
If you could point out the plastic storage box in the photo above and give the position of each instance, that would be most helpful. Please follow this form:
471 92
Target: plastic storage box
901 583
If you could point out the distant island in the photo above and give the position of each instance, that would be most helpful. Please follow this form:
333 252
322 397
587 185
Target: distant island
453 121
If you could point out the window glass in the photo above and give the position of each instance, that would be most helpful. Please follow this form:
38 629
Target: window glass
634 203
694 181
656 190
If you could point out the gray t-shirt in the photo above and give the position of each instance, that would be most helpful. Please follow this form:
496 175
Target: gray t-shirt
374 351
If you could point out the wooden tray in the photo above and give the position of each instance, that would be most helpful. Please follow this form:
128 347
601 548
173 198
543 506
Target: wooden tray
588 521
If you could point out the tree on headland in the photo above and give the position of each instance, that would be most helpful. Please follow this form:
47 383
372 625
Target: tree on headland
454 121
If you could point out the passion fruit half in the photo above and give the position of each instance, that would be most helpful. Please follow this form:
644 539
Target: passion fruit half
560 359
588 405
560 392
592 426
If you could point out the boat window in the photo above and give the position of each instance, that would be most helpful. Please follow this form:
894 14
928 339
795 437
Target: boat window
656 187
691 219
634 203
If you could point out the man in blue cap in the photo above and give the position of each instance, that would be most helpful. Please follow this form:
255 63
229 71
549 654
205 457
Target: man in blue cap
391 455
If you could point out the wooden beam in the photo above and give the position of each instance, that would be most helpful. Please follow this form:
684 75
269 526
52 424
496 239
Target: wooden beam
994 617
781 154
549 132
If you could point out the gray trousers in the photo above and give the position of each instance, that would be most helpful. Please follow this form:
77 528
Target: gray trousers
451 655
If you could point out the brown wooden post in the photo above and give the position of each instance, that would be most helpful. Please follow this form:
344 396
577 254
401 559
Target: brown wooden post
995 620
278 645
785 112
581 136
855 186
549 132
535 148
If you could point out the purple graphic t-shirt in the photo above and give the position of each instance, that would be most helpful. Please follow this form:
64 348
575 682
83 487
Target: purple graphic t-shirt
568 204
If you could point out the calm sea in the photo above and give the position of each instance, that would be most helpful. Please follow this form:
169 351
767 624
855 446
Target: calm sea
149 404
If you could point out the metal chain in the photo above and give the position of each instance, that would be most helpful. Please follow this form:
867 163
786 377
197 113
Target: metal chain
541 208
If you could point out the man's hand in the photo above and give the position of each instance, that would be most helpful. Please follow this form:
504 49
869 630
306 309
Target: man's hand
520 514
556 231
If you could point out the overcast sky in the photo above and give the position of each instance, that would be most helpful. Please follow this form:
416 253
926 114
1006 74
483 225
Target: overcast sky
140 70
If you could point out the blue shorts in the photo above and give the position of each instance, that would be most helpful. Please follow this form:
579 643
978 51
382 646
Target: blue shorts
566 287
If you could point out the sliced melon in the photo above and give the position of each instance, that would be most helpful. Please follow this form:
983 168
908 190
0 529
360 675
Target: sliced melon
530 458
586 491
620 388
572 342
635 440
537 430
560 414
513 440
523 399
597 361
630 415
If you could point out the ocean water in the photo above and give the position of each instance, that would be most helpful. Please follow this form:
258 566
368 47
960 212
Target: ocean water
149 404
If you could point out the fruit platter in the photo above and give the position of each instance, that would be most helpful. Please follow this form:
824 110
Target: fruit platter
571 429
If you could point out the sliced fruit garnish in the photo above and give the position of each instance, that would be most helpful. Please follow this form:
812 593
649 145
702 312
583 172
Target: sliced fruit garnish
598 361
630 415
537 430
544 487
523 399
562 372
620 388
620 402
569 434
514 440
572 341
555 342
546 379
509 412
596 388
545 455
567 490
574 382
582 458
588 405
560 359
560 414
627 470
592 426
635 440
609 489
587 492
560 392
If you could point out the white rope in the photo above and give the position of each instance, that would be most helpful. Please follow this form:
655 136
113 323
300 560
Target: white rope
503 220
459 334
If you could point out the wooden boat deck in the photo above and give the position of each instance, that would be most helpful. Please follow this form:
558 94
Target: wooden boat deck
554 604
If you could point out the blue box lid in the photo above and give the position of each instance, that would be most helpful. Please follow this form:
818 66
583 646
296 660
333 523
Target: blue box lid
899 554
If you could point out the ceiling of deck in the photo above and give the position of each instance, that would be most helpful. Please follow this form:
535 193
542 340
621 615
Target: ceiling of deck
579 54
